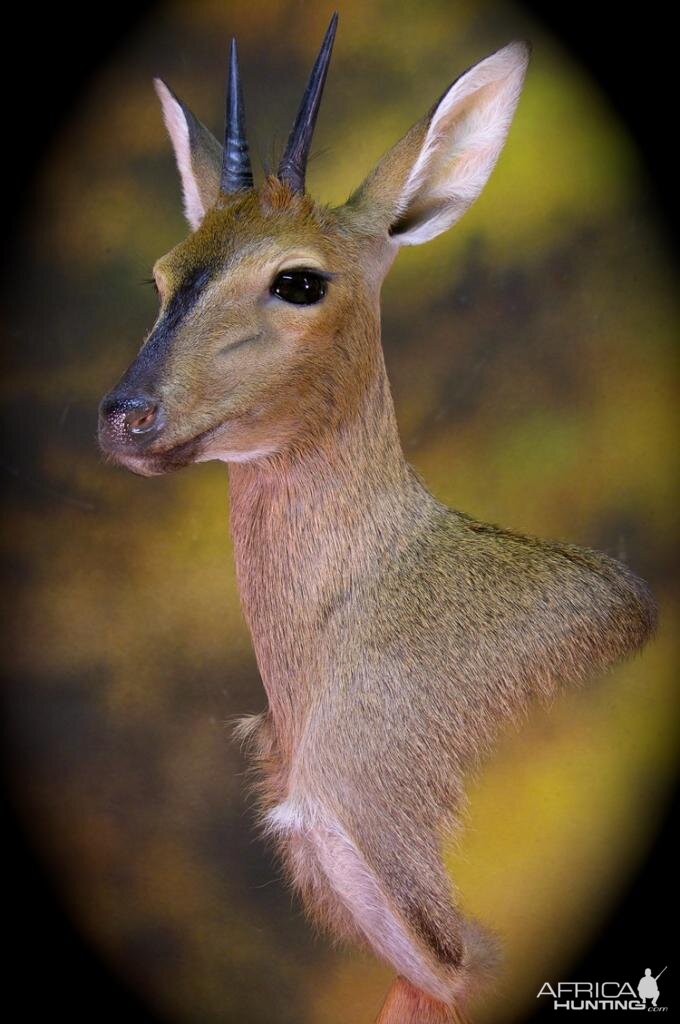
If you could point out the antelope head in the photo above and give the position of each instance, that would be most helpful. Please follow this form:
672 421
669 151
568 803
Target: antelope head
268 332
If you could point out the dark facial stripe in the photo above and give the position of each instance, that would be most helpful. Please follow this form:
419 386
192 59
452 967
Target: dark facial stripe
145 367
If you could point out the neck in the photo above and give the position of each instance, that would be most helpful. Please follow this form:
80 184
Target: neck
310 531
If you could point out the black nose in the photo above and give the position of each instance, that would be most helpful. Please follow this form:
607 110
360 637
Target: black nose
126 420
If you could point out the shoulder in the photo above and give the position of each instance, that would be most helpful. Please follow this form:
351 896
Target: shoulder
501 590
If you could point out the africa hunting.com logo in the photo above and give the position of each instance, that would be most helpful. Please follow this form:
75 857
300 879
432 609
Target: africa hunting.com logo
606 995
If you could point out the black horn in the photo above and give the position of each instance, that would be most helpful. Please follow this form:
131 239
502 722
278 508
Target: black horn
294 160
236 170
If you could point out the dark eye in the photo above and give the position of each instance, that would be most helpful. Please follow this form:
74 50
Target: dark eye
301 287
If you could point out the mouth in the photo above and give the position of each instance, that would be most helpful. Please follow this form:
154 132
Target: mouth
155 463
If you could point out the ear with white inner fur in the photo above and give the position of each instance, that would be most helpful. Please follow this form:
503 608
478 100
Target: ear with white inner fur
198 155
425 183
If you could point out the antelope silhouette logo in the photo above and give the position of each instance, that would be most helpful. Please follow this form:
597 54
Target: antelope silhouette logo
394 635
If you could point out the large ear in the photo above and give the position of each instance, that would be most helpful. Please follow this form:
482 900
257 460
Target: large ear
428 180
198 155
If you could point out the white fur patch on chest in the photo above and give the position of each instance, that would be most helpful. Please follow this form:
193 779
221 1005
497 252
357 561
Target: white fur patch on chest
325 845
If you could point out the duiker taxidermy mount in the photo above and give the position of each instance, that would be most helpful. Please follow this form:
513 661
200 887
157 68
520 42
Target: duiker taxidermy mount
394 635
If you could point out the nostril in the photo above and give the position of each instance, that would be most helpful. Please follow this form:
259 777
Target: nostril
142 418
126 418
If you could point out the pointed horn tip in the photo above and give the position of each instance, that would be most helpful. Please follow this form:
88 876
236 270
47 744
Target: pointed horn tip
236 171
293 162
329 35
328 39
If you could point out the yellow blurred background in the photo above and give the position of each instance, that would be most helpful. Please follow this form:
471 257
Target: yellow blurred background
530 352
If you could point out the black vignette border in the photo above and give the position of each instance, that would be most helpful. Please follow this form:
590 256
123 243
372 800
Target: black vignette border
50 968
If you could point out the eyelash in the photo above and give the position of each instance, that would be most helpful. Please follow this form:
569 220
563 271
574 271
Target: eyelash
152 282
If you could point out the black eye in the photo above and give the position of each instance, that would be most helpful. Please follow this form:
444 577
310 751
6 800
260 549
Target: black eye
301 287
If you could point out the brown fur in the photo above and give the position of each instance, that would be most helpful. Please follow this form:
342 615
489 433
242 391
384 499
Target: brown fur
394 636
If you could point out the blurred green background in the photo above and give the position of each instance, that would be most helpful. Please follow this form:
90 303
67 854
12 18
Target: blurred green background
531 356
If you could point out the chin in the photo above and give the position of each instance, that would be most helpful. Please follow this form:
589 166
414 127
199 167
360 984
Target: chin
158 463
213 444
142 466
